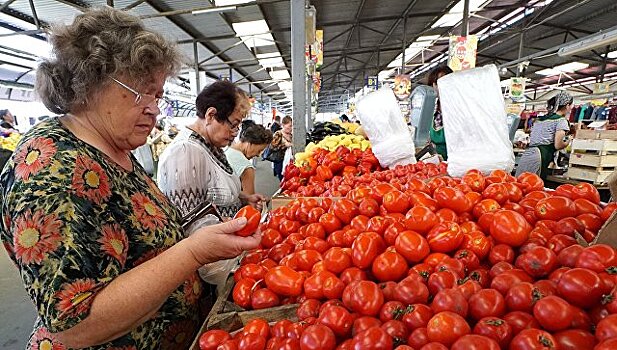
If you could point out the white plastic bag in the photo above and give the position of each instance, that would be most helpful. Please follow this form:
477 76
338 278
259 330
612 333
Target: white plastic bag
474 120
215 273
385 126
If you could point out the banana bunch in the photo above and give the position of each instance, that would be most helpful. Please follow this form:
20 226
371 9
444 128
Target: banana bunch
10 142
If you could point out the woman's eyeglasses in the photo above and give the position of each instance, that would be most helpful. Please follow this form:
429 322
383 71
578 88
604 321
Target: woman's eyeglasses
142 99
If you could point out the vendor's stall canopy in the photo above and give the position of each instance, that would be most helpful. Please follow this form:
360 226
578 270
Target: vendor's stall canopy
249 42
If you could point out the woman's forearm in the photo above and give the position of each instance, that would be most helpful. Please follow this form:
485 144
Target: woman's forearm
132 298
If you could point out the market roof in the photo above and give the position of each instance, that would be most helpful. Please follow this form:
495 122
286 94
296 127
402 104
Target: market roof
250 42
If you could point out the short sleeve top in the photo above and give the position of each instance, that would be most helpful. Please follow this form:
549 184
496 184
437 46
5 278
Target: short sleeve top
72 221
543 131
238 161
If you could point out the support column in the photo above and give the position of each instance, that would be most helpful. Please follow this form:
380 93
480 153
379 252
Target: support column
298 73
465 24
403 62
521 45
196 58
309 95
604 59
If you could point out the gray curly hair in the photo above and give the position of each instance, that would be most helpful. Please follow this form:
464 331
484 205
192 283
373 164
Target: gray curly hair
100 43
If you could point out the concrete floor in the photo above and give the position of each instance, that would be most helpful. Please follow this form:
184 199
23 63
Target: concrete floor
17 313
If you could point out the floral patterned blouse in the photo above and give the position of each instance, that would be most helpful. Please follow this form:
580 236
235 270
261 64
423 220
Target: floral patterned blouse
72 221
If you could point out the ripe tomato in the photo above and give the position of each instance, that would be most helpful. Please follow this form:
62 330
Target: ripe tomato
519 320
475 181
211 339
487 303
375 224
359 223
531 182
475 342
251 341
607 328
395 329
553 313
478 243
537 262
441 280
515 194
257 326
264 298
411 291
413 247
451 264
372 339
396 202
446 328
505 280
533 339
389 266
445 237
468 258
468 287
363 323
501 253
337 260
365 248
608 211
420 219
575 339
418 338
284 281
496 329
392 232
338 319
353 274
496 191
417 316
592 222
452 198
391 310
363 297
587 191
308 308
450 300
485 206
510 227
252 220
344 209
330 222
555 208
585 206
597 257
368 206
580 287
558 243
242 292
522 297
317 337
313 285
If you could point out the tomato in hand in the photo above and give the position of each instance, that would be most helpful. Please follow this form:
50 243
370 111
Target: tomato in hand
446 328
252 220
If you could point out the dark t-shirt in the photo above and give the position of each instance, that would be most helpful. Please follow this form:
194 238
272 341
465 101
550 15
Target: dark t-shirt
275 127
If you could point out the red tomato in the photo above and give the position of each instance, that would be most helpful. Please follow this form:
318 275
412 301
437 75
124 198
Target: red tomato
510 227
445 237
451 264
417 316
344 209
452 198
389 266
410 291
395 329
580 287
533 339
522 297
475 181
478 243
475 342
313 285
485 206
585 206
338 319
608 211
376 224
337 260
368 206
446 328
469 287
505 280
420 219
442 280
211 339
487 303
553 313
372 339
531 182
392 232
391 310
496 329
330 222
468 258
353 274
242 292
496 191
284 281
587 191
597 257
363 323
264 298
609 344
557 243
607 328
450 300
251 341
537 262
555 208
501 253
317 337
519 320
252 220
592 222
413 247
365 248
363 297
515 194
396 202
575 339
308 308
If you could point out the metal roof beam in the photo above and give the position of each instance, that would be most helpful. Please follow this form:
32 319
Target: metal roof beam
351 31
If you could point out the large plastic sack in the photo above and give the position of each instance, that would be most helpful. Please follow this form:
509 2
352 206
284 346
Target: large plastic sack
384 124
475 122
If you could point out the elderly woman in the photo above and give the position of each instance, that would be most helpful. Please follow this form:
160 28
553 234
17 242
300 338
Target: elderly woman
193 169
253 140
100 249
548 135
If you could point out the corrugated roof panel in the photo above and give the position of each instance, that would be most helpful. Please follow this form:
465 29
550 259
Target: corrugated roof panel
49 11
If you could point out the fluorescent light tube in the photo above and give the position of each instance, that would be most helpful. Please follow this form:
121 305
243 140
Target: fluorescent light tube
214 9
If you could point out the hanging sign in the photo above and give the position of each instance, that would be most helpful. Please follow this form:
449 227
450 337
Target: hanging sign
462 52
517 89
402 87
372 82
599 89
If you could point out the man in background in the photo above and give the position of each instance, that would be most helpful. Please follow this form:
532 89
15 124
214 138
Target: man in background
276 124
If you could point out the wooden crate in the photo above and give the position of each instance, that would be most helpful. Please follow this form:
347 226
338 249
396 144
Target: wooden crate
593 175
594 160
596 134
230 317
600 147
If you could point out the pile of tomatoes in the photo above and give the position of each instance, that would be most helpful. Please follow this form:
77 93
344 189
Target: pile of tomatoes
336 173
461 264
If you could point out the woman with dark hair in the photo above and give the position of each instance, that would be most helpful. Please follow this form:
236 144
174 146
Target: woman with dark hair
548 135
436 132
100 250
193 169
253 140
281 142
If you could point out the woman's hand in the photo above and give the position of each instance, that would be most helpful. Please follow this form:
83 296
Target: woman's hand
216 242
254 200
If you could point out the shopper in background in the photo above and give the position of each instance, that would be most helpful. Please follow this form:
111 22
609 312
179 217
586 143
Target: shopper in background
282 141
7 121
548 134
276 124
436 132
100 249
193 169
253 140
